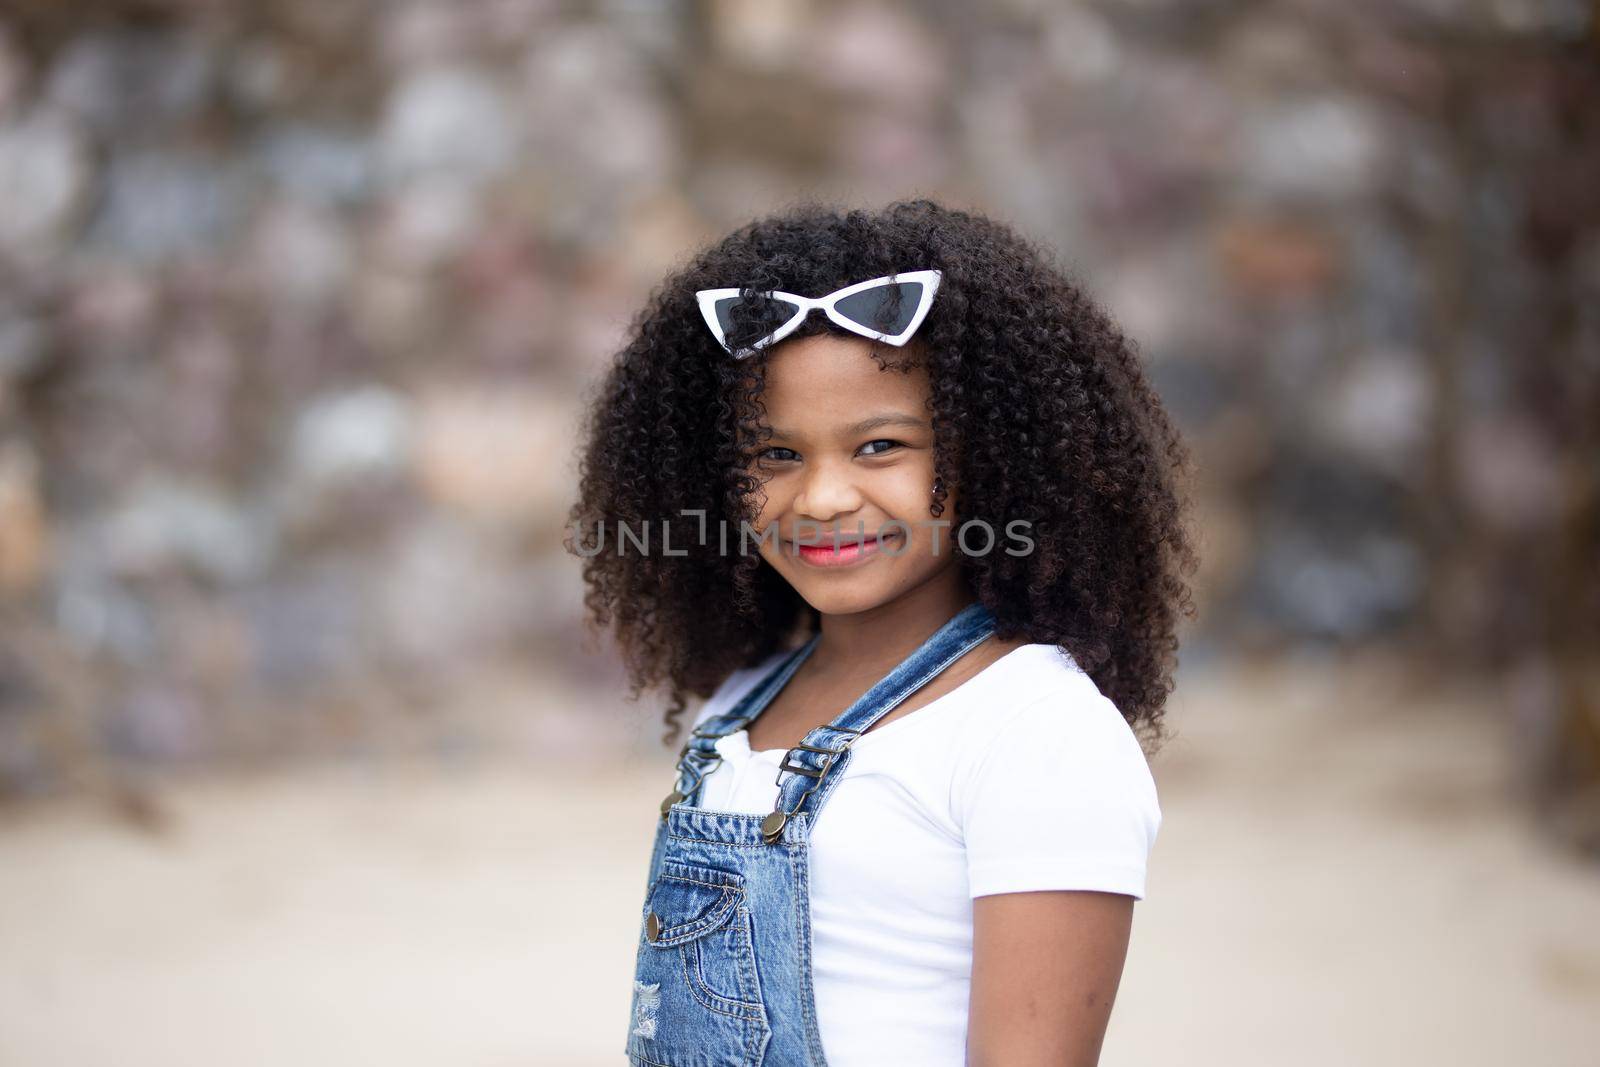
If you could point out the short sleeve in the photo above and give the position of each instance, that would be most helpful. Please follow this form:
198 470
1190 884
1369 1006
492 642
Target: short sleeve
1060 797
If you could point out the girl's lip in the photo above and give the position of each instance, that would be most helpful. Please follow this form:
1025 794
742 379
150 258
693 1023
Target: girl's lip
848 554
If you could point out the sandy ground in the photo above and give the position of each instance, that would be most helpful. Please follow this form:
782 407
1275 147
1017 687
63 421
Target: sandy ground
1341 878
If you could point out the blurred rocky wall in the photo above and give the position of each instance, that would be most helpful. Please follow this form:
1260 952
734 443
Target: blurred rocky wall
299 301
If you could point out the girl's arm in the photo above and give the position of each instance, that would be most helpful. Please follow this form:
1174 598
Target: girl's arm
1045 968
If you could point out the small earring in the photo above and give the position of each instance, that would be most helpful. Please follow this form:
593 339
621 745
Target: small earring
938 487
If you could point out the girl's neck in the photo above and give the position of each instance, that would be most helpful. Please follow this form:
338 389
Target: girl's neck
873 641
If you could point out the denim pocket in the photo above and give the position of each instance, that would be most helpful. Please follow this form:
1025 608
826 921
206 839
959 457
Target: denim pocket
696 995
701 912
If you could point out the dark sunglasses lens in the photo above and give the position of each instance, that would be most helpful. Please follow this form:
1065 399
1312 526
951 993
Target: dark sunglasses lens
747 319
886 309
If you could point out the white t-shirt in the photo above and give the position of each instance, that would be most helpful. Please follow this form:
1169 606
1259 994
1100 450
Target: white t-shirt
1024 777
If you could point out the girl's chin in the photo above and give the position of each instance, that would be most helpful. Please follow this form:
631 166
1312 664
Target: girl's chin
853 589
851 602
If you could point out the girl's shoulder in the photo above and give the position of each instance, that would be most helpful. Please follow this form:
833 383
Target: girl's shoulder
1035 699
1032 672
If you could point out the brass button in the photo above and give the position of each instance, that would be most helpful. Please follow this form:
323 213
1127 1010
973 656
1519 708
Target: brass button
772 826
652 927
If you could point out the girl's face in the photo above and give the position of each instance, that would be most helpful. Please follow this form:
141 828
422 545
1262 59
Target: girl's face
851 452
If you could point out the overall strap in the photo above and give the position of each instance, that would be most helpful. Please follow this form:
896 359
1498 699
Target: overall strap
699 754
813 766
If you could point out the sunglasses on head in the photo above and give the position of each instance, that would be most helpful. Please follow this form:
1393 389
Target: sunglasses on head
884 309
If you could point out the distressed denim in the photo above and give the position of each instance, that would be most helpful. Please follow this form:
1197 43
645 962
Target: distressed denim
723 976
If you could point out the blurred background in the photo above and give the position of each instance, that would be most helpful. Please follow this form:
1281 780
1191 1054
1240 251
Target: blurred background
304 754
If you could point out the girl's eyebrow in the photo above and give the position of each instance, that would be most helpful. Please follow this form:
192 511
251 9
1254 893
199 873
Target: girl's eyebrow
894 418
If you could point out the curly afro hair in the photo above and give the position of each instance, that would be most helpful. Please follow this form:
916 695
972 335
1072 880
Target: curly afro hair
1040 412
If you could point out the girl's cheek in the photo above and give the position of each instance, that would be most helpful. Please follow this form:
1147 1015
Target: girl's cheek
771 501
918 502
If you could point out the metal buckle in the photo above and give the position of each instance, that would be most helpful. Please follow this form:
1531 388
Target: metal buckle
688 770
809 772
772 825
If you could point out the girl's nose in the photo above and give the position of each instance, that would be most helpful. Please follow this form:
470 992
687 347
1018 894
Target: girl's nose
826 494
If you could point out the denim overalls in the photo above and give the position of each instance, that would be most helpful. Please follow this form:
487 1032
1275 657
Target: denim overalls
723 977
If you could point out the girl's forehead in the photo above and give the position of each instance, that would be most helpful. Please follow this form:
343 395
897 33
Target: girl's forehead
826 383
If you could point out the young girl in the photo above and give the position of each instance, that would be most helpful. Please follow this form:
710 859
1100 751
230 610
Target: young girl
895 494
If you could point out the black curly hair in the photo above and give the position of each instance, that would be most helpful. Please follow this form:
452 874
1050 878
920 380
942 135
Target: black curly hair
1040 412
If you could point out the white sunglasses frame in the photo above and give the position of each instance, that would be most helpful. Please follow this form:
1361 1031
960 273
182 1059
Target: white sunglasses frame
708 298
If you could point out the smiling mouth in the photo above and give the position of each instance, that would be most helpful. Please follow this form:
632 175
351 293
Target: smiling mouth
824 553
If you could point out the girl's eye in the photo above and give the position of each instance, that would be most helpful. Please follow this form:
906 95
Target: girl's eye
768 454
888 444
